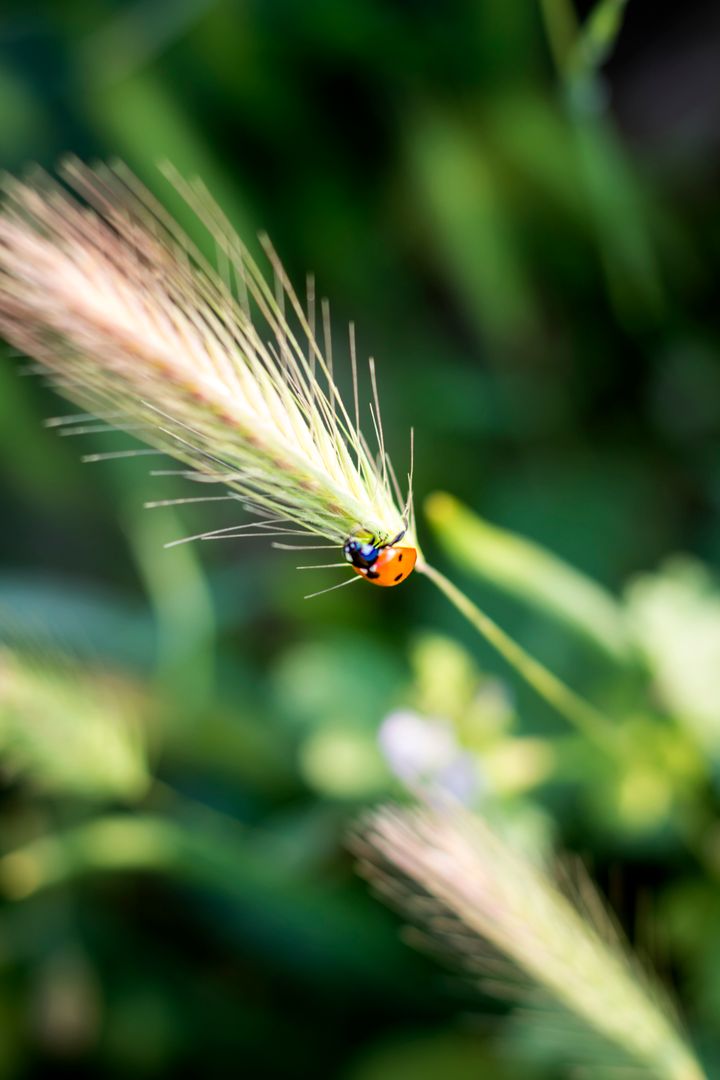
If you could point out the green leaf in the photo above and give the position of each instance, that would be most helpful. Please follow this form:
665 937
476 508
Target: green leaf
598 35
464 206
527 572
675 616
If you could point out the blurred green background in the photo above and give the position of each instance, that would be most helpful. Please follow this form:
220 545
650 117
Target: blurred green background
524 224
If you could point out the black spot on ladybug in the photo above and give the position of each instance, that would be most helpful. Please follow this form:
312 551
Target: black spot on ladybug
399 560
399 577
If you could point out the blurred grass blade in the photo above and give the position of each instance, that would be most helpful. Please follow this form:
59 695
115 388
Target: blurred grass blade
146 125
529 573
616 198
675 616
619 204
253 890
49 613
33 462
580 50
597 37
68 732
182 603
561 960
136 34
471 226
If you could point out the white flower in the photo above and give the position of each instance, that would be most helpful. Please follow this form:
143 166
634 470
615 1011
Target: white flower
423 751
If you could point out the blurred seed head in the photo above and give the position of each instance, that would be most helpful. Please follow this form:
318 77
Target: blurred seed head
561 961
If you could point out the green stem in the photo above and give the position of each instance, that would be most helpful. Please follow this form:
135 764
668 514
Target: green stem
561 27
585 717
579 51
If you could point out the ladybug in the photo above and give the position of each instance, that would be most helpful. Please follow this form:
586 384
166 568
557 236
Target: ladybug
382 564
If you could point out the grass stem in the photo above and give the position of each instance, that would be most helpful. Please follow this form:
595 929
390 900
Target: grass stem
581 714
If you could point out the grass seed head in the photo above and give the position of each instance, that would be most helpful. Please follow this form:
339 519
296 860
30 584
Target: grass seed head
222 371
556 954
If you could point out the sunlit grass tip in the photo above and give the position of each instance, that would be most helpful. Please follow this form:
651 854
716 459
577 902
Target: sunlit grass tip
221 367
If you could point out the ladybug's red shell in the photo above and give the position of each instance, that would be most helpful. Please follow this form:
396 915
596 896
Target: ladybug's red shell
391 567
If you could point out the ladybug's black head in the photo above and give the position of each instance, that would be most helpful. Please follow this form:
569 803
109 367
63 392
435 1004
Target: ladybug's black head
360 553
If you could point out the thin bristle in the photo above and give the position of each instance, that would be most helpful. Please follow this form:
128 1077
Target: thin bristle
332 588
112 455
234 529
356 390
158 503
310 288
325 566
305 547
377 419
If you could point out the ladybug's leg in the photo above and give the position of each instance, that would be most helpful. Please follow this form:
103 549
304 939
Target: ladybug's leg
391 543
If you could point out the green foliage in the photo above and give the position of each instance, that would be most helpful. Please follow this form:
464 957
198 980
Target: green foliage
68 734
529 573
675 614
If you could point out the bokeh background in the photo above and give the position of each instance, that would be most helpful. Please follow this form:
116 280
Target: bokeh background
526 233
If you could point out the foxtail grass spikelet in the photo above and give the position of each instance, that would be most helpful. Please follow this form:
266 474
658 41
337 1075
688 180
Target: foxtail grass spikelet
560 960
223 371
100 286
